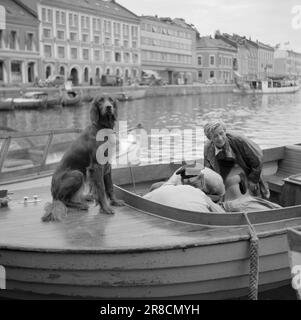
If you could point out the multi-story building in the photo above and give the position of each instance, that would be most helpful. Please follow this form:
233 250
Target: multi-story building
265 60
288 63
19 43
86 39
216 60
168 47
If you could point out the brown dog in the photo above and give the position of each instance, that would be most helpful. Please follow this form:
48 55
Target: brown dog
79 164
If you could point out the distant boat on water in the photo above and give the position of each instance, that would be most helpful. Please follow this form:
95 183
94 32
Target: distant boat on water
271 85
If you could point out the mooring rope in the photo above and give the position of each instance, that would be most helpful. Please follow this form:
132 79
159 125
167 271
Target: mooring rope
254 261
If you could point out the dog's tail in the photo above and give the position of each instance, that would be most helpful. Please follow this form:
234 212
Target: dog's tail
55 211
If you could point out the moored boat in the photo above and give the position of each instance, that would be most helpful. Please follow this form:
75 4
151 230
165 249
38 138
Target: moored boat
70 98
30 100
294 241
145 250
272 85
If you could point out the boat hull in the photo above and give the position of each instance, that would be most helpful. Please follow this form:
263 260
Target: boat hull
294 240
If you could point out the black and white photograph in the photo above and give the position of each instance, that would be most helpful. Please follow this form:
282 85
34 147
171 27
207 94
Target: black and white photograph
150 150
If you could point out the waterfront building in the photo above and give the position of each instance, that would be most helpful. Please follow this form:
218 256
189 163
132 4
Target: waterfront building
265 60
216 60
86 39
168 47
19 43
288 63
247 55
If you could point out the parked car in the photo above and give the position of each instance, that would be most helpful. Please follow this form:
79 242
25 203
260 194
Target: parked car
110 80
150 78
211 81
55 80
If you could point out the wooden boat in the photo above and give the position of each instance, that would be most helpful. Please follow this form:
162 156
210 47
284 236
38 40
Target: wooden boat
30 100
294 240
145 250
70 98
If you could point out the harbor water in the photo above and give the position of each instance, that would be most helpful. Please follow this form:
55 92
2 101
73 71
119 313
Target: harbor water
270 120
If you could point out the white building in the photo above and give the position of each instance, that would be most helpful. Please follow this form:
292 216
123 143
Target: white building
86 39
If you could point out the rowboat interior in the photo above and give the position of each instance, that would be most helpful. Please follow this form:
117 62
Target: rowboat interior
144 250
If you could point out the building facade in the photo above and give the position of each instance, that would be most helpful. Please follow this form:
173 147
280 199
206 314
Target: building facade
19 43
216 60
265 60
85 39
288 63
168 47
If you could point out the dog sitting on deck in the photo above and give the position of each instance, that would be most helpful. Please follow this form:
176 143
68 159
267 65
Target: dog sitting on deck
79 165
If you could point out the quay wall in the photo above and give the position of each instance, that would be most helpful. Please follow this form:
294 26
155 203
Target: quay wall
133 92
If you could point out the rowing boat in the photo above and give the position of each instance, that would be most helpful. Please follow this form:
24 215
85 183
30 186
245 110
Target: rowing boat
294 240
145 250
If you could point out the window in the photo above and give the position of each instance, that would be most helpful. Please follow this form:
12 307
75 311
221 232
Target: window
126 30
47 51
211 74
134 44
85 37
97 55
108 27
126 43
96 39
134 32
1 71
74 53
108 41
86 54
126 57
29 41
116 29
117 42
61 52
63 18
43 14
73 36
107 56
61 35
47 33
1 38
117 57
200 74
200 60
212 60
49 15
12 40
135 58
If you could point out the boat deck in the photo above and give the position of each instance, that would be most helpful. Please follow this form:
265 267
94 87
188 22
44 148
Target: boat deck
128 229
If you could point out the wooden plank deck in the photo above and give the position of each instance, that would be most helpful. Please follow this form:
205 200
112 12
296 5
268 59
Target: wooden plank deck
128 229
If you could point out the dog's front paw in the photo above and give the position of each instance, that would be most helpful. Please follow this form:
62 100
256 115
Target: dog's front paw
117 203
107 210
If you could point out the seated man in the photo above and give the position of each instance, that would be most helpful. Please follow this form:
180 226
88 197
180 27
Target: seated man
187 192
239 199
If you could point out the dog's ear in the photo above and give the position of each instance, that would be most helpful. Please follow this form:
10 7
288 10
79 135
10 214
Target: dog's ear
94 112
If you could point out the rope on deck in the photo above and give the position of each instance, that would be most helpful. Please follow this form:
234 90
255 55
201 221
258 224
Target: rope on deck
254 261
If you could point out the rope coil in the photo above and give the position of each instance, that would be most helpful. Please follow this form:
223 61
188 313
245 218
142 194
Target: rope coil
254 261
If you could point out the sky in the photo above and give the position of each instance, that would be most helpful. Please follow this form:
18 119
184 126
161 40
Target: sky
269 21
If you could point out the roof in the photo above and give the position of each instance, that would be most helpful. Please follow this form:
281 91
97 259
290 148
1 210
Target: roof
208 42
104 7
16 10
177 22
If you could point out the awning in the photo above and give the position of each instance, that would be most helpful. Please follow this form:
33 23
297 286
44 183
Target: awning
237 74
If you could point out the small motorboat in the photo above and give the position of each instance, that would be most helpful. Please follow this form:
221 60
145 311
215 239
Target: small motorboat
30 100
294 241
146 250
70 98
